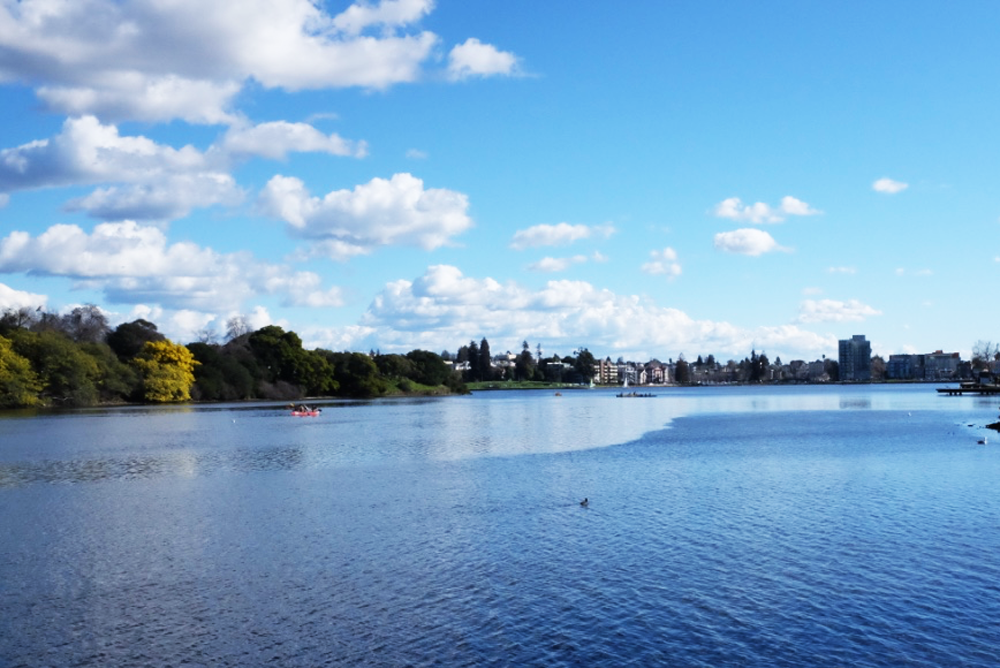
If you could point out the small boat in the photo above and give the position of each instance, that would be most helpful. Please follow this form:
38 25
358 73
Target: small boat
309 413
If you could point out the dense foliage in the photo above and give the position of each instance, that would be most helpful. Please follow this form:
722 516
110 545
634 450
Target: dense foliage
78 360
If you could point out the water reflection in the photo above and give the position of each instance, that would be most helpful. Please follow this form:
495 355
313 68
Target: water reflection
136 443
855 403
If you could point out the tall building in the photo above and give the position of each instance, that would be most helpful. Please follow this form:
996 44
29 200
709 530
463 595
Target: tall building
855 358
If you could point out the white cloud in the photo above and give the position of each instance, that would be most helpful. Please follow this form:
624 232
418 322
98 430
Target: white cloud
831 310
145 98
841 270
88 152
443 309
132 264
276 139
663 263
557 235
416 154
553 264
733 208
889 186
358 17
382 212
156 182
189 59
151 181
796 207
475 59
166 199
16 299
747 241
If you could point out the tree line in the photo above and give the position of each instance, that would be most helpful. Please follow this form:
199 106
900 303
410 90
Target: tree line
477 365
77 359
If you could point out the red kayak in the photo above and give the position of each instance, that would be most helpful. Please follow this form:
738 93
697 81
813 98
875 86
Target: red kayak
313 413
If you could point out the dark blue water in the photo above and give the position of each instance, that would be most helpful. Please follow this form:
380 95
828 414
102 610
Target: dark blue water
762 527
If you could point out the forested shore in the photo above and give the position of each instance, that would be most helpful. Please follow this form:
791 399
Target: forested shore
76 360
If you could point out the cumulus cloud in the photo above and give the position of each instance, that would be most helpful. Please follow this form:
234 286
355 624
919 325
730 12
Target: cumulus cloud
148 180
379 213
733 208
747 241
475 59
889 186
133 264
554 264
444 308
189 59
277 139
557 235
359 17
87 152
831 310
170 198
663 263
16 299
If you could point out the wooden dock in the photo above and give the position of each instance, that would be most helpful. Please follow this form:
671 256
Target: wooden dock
987 390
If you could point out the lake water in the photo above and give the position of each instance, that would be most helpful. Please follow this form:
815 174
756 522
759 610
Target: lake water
806 526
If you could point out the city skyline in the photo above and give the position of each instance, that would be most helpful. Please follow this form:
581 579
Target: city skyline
646 181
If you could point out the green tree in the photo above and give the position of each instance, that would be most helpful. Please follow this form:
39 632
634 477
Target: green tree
395 367
356 374
280 357
129 338
116 381
429 368
19 384
475 371
219 375
682 371
485 360
584 364
167 370
68 375
524 365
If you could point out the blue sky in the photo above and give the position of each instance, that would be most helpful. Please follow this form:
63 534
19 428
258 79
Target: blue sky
646 179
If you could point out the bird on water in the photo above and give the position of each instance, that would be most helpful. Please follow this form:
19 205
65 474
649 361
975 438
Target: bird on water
585 503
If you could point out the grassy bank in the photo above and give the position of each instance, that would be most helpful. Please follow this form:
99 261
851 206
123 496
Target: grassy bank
519 385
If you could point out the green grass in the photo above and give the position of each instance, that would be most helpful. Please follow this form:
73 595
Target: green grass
518 385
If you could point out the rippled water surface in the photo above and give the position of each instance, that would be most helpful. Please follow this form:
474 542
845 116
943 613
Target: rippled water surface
819 526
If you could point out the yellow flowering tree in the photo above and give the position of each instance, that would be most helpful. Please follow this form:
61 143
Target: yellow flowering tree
167 370
19 384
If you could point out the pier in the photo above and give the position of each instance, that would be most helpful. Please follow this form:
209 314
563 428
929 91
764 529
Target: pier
970 388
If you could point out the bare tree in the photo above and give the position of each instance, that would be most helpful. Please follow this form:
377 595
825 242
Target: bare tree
19 318
207 335
984 352
86 324
237 326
